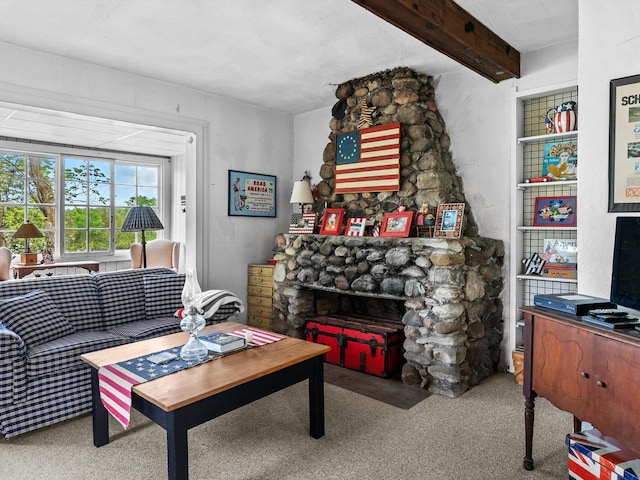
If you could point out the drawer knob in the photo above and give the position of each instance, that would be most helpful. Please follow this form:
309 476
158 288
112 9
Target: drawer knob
601 384
584 374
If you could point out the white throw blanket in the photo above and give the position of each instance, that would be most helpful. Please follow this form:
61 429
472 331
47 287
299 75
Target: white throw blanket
210 301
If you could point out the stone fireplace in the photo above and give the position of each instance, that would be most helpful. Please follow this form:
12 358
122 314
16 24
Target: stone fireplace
448 289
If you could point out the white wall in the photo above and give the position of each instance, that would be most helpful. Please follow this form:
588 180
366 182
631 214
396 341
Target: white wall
609 45
228 135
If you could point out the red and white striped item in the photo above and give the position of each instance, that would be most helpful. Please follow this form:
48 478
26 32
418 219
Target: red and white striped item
115 384
258 337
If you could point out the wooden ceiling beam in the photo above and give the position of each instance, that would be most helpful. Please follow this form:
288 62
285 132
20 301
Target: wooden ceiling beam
448 28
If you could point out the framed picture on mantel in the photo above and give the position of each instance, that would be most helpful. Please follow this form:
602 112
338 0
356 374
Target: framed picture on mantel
449 220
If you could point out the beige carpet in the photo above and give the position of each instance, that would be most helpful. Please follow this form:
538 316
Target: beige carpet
476 436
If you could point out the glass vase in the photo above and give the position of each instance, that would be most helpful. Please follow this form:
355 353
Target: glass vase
194 349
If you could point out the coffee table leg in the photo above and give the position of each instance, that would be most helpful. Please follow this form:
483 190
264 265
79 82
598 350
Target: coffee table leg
177 452
100 414
316 398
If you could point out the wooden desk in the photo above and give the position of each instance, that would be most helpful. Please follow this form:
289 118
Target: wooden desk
190 397
589 371
21 271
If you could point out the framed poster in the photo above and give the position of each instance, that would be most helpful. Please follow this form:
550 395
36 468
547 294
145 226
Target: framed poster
251 194
449 220
396 224
356 226
332 221
624 145
555 212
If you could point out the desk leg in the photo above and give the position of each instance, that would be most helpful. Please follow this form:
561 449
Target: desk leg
529 415
177 451
100 414
316 398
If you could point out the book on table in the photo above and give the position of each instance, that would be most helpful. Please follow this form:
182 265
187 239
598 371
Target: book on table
221 342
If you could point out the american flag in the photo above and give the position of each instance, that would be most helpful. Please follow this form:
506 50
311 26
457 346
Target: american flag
368 160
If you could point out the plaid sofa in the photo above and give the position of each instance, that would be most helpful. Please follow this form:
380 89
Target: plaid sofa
47 323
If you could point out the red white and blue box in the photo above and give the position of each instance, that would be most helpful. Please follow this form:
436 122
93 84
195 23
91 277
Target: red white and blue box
594 456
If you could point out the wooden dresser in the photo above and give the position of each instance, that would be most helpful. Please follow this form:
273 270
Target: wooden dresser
260 296
588 371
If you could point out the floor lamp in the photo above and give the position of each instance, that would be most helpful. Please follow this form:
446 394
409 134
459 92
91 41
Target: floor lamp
140 219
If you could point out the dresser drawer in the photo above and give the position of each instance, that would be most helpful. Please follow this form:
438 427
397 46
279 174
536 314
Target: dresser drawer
260 301
259 310
261 270
258 280
260 290
259 322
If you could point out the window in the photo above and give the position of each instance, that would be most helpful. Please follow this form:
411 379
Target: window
27 191
94 198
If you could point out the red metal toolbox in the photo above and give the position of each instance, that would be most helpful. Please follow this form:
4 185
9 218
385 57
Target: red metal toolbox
359 343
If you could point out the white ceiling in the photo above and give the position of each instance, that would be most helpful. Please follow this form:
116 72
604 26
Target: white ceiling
286 55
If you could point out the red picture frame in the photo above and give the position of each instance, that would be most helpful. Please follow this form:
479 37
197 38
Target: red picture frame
396 224
559 211
332 221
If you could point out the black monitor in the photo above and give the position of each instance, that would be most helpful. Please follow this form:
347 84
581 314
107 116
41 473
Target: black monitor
625 278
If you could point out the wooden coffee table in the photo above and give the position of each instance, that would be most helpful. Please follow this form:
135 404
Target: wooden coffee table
190 397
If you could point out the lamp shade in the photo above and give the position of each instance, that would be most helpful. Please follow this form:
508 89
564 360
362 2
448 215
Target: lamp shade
28 230
141 219
301 192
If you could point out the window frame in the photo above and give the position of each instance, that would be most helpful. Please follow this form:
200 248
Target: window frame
60 153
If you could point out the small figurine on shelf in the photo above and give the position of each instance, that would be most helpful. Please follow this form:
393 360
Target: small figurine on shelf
425 221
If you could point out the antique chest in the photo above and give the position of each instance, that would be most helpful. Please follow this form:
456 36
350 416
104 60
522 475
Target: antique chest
360 343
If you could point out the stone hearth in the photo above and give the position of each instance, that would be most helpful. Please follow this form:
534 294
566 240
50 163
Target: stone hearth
450 289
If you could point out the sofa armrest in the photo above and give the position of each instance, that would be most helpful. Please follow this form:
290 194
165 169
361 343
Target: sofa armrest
13 367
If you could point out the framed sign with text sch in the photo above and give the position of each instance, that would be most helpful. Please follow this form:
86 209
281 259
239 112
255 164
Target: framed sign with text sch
624 145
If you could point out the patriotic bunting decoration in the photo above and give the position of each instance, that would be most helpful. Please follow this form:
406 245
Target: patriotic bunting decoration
368 160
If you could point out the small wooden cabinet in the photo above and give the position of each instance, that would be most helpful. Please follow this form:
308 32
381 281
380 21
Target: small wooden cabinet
260 296
588 371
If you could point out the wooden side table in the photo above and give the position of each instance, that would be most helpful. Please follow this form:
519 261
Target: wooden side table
21 271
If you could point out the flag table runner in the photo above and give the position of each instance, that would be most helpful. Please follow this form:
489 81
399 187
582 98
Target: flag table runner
116 380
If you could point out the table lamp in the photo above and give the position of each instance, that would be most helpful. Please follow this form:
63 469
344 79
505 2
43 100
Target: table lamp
301 194
28 230
140 219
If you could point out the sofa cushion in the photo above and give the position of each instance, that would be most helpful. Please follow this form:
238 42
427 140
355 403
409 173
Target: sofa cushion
144 329
64 353
122 294
35 318
76 296
162 295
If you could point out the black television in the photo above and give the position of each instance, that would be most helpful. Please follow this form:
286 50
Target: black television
625 277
